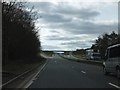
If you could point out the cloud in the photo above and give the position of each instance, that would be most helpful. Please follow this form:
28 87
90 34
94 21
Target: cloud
82 13
75 20
72 19
86 27
62 38
71 25
85 1
76 44
40 6
53 18
50 47
62 12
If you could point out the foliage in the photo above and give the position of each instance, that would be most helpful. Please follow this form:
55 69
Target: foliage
20 38
79 52
104 41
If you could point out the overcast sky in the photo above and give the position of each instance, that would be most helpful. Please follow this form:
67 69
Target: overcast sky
74 25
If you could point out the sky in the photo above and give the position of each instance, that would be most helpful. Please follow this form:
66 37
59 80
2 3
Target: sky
74 25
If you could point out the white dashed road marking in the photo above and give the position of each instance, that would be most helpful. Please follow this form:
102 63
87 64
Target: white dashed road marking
114 85
83 72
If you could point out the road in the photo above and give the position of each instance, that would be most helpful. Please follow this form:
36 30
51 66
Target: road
62 73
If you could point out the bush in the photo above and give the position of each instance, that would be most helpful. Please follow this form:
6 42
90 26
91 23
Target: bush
20 38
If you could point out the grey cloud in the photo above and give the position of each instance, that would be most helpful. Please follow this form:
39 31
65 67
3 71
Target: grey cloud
64 9
57 13
78 46
92 41
84 13
71 43
54 15
75 44
84 27
53 18
63 38
50 47
61 17
41 6
88 14
55 31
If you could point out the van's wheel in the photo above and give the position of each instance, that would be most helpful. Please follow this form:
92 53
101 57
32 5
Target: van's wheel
118 73
104 71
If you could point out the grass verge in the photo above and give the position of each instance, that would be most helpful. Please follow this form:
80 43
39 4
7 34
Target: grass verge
85 61
15 68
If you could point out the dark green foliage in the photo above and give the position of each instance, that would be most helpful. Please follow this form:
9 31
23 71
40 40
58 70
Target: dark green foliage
104 41
79 52
20 38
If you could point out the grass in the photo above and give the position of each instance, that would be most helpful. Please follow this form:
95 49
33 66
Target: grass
14 68
48 54
85 61
18 67
79 56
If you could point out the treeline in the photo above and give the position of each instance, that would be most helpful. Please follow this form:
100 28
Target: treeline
20 39
79 52
105 41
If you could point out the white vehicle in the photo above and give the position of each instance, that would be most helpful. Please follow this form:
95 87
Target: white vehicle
112 63
95 56
92 55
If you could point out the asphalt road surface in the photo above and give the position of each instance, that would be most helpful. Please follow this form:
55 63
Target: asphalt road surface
62 73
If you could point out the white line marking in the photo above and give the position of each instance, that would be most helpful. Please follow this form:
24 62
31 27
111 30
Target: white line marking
16 77
35 77
114 85
83 72
19 76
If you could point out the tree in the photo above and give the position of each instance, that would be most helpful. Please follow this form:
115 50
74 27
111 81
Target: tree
106 40
20 37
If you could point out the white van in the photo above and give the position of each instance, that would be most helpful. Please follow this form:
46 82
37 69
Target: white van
93 56
96 56
112 61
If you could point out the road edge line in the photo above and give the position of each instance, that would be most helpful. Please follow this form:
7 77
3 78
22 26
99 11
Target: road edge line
18 77
114 85
31 81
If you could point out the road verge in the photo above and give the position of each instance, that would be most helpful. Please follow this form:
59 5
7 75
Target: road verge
100 63
23 79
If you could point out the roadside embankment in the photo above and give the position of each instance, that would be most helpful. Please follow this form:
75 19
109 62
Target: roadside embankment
72 58
14 69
